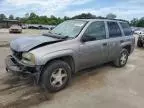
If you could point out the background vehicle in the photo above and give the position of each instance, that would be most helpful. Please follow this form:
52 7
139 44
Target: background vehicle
71 46
15 29
140 42
139 32
24 26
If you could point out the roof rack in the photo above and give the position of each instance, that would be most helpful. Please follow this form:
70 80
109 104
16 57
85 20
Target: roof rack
113 19
105 18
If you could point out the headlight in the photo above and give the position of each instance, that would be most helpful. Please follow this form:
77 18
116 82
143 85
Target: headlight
28 58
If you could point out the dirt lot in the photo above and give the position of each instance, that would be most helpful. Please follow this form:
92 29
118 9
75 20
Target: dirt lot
101 87
5 36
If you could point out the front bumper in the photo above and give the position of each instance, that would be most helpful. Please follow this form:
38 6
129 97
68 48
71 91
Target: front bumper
15 65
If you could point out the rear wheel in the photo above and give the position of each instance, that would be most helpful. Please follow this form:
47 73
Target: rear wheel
121 61
56 76
139 44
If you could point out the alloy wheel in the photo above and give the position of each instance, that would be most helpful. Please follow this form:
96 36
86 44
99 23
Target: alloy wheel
58 77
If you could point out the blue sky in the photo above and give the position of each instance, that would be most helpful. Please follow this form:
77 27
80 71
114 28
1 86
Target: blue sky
124 9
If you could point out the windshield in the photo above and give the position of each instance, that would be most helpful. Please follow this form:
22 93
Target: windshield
69 28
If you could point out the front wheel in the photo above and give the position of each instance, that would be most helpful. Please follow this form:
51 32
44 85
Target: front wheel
56 76
121 61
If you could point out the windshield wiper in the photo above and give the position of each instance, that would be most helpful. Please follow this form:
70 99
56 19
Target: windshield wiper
62 36
50 35
65 37
56 35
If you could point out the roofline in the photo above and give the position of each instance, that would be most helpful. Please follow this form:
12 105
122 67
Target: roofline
103 19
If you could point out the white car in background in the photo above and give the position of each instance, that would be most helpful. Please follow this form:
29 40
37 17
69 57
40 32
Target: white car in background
139 32
15 29
24 26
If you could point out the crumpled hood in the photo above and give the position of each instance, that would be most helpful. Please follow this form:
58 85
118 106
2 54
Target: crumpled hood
26 43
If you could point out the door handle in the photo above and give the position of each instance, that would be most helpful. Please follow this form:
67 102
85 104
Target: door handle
104 44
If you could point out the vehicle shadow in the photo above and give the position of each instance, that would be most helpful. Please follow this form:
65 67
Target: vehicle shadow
32 95
89 78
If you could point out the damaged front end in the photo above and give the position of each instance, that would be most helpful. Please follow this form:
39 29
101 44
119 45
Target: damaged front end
16 66
21 61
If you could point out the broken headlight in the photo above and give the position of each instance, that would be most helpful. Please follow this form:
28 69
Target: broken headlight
28 58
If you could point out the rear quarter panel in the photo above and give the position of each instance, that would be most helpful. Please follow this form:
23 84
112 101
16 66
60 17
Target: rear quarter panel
129 40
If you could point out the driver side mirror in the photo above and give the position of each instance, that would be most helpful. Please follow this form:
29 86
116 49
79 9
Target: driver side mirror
87 38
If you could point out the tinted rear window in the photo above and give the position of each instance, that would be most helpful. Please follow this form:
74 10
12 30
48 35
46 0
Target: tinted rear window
126 28
114 30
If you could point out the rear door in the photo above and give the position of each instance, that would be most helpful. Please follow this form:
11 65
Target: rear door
128 35
115 39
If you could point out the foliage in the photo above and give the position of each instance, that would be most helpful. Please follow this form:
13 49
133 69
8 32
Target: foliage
84 16
111 16
137 22
2 17
11 17
32 18
134 22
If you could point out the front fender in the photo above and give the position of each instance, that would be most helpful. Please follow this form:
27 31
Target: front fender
49 56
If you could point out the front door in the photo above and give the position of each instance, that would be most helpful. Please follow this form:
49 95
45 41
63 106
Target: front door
95 51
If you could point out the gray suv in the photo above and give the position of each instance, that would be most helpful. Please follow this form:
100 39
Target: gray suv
72 46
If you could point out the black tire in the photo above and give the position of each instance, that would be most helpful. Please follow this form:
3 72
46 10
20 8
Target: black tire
139 44
46 77
118 61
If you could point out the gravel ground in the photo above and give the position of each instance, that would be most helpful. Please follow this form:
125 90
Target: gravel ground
102 87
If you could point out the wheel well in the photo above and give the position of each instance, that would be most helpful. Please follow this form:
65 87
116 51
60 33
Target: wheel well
67 59
128 47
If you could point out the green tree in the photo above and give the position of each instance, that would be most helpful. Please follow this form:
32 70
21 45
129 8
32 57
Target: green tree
134 22
32 16
66 18
26 15
111 16
140 22
43 20
11 17
84 16
17 18
2 17
53 17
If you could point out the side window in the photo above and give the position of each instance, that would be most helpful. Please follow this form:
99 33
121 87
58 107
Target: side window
114 29
96 30
126 28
